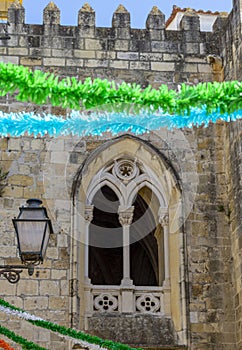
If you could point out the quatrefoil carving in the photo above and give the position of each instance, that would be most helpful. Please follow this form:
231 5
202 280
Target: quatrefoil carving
147 303
106 302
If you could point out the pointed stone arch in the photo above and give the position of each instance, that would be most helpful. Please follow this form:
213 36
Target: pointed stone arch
131 167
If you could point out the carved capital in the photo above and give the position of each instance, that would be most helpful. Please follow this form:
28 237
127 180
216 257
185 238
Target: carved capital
164 221
126 215
163 217
88 213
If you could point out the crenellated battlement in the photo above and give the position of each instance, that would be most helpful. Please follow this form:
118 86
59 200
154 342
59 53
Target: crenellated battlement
181 188
121 17
156 54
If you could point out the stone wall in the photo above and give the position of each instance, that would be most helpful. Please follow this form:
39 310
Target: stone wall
211 269
228 30
146 56
231 51
234 178
127 328
45 168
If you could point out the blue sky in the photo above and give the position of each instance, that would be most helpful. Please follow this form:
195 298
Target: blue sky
105 8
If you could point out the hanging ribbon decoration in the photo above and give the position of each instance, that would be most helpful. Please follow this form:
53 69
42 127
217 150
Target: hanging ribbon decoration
110 107
86 340
18 124
4 345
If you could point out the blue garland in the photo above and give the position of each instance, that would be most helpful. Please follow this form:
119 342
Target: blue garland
19 124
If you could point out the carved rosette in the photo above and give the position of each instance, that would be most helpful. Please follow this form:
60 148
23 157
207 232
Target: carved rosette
125 170
126 215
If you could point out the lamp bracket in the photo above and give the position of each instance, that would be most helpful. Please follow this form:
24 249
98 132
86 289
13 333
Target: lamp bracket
12 272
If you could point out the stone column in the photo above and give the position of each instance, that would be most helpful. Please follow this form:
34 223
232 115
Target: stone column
161 263
88 299
88 216
125 219
164 222
127 288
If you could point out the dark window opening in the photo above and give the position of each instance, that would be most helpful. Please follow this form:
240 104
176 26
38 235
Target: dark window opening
105 240
144 249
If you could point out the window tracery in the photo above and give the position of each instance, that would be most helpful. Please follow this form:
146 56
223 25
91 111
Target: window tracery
125 170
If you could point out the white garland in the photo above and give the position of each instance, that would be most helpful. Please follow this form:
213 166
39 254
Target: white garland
29 317
21 314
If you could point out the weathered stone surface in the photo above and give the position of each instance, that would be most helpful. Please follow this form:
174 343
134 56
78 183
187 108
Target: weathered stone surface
47 168
155 19
16 13
138 331
51 15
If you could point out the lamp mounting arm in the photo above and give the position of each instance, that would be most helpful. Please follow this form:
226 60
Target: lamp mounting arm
12 272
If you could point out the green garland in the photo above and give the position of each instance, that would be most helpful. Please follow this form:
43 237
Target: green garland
41 88
72 332
26 345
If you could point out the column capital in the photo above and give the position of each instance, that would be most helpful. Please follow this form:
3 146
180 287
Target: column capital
88 213
163 217
125 215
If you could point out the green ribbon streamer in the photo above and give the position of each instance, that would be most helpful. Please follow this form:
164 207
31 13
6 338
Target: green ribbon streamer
72 332
46 88
20 340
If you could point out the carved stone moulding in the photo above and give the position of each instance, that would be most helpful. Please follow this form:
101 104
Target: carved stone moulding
126 170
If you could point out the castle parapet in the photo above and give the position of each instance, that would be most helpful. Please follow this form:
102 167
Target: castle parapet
220 22
174 55
121 23
190 27
16 13
155 23
86 21
51 15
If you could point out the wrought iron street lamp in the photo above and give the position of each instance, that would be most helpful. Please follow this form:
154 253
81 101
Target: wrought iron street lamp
33 228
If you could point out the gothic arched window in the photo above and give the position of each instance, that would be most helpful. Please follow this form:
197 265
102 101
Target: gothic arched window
124 245
127 215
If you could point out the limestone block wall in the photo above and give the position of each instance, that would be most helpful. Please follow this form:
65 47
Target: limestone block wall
152 55
45 168
210 259
231 53
27 160
228 31
234 178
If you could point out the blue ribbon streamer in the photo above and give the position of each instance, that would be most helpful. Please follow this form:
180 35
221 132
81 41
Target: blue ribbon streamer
81 124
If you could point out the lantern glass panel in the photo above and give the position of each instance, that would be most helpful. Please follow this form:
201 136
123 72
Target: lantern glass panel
33 229
31 236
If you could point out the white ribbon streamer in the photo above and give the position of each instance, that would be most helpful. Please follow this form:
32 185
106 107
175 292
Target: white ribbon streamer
29 317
